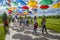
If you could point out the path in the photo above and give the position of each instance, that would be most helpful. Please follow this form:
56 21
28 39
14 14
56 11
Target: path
20 33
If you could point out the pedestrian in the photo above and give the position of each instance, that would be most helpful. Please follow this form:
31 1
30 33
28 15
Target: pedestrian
43 23
27 22
35 19
6 26
35 28
21 20
5 22
24 22
31 21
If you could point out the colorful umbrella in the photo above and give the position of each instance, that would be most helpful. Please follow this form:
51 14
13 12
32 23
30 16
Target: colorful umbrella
34 10
9 11
26 11
25 7
44 6
30 12
14 4
32 3
46 2
57 5
21 2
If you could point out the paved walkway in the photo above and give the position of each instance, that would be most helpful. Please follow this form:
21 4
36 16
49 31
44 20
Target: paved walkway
25 33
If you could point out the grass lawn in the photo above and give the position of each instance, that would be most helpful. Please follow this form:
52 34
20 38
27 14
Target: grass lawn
2 35
53 24
1 21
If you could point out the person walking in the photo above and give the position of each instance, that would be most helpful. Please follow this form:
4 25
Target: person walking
35 19
43 23
35 28
5 22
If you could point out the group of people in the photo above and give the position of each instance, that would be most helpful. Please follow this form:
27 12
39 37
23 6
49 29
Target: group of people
26 21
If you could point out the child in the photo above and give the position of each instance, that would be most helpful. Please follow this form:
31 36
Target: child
35 28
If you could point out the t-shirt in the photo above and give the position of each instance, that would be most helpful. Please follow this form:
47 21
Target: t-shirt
35 26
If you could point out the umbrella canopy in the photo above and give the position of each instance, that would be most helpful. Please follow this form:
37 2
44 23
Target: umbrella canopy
46 2
21 2
57 5
32 3
44 6
25 7
9 11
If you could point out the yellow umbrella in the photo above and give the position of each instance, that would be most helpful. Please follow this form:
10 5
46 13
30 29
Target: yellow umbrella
57 5
12 8
32 3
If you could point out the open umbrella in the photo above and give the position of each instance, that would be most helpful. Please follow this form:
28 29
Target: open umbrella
44 6
21 2
25 7
9 11
32 3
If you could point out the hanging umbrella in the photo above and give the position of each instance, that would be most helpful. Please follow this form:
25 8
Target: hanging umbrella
20 11
1 0
46 2
25 7
9 11
57 5
14 4
26 11
19 7
34 10
44 6
30 12
21 2
32 3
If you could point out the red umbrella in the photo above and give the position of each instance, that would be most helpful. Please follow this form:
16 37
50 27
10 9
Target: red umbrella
25 7
9 11
44 6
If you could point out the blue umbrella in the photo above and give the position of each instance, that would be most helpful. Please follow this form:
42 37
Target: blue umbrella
57 0
30 12
1 0
25 0
20 11
21 2
35 10
19 7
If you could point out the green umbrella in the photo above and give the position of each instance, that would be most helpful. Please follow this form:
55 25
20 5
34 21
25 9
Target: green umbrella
26 10
14 4
46 2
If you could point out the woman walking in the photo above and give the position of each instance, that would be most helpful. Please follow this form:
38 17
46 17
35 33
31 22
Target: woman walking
43 23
